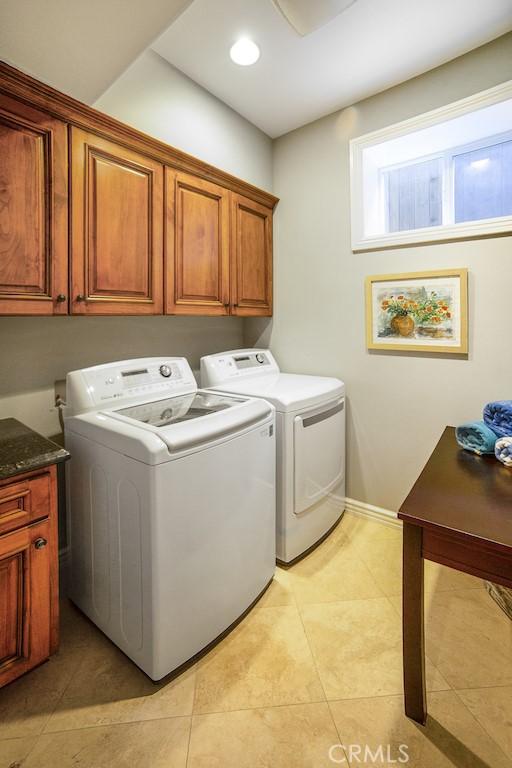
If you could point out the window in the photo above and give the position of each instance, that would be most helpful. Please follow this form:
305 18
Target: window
443 175
483 182
413 196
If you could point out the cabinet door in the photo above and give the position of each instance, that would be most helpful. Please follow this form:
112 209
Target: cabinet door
117 229
33 212
197 246
24 600
251 243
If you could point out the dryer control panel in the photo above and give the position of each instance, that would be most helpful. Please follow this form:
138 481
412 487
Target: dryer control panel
104 386
216 369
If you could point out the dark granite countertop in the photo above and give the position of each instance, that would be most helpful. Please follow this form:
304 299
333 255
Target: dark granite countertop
22 449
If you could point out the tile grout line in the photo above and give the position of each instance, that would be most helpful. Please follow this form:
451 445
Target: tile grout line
246 709
189 740
95 726
313 658
300 610
482 726
341 602
65 688
260 708
36 742
372 577
263 607
61 695
482 687
340 737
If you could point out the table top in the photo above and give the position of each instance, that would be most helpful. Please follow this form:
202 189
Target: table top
22 449
462 492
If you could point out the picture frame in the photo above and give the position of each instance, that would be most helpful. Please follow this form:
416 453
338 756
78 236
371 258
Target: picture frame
418 312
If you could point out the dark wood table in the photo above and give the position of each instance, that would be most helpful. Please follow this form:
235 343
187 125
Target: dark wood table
458 513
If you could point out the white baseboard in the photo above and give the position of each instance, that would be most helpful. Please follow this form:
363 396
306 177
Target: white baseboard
337 499
377 514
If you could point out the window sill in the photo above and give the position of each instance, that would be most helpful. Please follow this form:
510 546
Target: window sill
465 231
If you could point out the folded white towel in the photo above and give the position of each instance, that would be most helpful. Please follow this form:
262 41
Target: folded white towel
503 450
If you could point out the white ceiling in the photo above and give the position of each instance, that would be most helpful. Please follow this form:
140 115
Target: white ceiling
80 46
373 45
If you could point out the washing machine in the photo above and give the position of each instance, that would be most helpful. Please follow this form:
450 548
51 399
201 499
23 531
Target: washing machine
310 423
171 505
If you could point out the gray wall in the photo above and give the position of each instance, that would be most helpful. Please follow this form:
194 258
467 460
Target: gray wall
160 100
81 47
35 352
398 404
40 351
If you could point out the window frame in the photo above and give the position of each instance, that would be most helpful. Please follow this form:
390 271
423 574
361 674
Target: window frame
501 225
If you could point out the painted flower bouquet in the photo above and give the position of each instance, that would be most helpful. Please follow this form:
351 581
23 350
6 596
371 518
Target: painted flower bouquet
426 311
398 306
431 309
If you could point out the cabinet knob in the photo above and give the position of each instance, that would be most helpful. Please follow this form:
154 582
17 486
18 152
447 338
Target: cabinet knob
226 304
40 543
61 297
80 297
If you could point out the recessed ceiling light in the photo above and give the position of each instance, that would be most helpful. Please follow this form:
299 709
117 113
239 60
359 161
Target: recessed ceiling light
244 52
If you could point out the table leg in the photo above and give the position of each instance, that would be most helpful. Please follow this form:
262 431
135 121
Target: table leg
412 625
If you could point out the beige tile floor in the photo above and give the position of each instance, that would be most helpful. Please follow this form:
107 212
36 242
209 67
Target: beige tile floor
315 665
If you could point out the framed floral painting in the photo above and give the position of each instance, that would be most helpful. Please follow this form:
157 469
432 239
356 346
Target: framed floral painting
418 312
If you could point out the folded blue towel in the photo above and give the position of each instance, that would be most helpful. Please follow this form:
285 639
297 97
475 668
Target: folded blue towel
476 436
503 450
498 417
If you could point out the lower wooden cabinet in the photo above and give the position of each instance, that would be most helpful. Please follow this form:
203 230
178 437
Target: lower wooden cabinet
251 258
28 574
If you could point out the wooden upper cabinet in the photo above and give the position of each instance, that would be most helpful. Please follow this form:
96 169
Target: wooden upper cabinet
251 259
33 211
197 246
117 229
84 228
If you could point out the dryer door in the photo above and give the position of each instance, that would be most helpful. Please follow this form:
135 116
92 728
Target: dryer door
319 442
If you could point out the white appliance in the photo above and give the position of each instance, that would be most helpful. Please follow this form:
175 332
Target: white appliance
171 503
310 425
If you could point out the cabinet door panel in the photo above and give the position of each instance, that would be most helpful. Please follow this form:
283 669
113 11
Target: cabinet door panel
251 243
197 246
11 607
24 600
33 211
117 238
23 502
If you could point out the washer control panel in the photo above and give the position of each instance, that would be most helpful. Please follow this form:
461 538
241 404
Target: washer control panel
126 381
250 361
245 362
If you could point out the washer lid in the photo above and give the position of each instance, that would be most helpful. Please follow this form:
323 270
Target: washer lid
158 431
191 421
287 391
174 410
